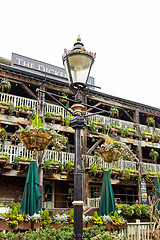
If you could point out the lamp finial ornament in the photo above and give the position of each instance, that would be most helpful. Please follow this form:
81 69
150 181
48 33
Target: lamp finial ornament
78 38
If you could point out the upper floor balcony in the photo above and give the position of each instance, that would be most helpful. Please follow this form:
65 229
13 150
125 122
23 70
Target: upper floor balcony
13 151
48 107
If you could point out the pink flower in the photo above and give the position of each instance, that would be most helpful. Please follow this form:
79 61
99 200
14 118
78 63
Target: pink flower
65 90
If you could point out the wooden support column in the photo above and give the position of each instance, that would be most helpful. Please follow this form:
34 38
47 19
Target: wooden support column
41 99
138 150
84 152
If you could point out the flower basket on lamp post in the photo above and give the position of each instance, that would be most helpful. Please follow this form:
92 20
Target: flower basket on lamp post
37 138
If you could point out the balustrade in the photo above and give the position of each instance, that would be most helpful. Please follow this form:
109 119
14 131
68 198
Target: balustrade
22 101
121 123
121 164
151 166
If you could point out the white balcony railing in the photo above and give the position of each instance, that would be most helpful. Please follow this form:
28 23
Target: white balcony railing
64 157
22 101
121 123
121 164
151 166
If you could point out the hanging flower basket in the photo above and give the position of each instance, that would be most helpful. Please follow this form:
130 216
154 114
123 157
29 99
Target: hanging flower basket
154 155
114 151
5 85
150 122
115 112
37 138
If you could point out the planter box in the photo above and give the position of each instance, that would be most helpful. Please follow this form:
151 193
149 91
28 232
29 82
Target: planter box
23 113
55 120
3 108
21 226
113 227
36 225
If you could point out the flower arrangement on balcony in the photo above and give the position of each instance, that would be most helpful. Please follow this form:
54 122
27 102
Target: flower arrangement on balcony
53 117
7 106
114 111
95 125
18 159
149 173
69 166
129 132
150 122
37 138
5 85
125 174
154 155
64 95
114 151
96 169
4 157
53 164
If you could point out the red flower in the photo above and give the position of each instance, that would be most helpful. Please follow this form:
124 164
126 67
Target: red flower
65 90
0 123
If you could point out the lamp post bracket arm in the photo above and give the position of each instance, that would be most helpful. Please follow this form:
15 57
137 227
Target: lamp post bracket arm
56 100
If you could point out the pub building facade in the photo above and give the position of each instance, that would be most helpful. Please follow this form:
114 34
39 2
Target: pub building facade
132 123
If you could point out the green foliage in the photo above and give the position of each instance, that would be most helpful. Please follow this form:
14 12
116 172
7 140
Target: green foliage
137 210
71 213
15 211
65 233
92 126
14 205
154 155
67 121
126 210
127 175
145 210
11 109
69 166
37 122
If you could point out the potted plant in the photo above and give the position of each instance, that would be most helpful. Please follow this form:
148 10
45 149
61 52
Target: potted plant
5 85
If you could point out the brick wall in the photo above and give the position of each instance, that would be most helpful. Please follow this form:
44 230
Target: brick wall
11 188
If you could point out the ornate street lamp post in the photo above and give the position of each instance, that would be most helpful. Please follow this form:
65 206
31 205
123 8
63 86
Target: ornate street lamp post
78 63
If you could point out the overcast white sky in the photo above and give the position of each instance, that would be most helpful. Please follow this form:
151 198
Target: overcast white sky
124 34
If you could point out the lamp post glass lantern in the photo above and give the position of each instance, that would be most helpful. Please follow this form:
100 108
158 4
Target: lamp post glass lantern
78 63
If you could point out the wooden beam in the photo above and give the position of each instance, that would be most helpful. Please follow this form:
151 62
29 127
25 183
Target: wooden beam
94 146
28 91
128 114
96 105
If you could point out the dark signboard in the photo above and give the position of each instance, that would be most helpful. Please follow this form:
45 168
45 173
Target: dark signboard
143 191
38 67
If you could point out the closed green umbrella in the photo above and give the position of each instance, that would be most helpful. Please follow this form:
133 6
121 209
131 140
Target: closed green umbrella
31 196
107 202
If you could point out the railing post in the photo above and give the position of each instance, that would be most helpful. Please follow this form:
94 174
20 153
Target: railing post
138 229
